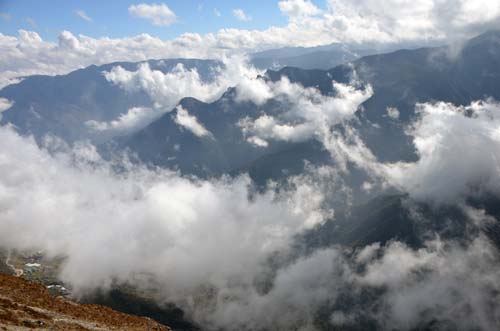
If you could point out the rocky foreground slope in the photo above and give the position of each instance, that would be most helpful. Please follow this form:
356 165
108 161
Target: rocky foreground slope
26 306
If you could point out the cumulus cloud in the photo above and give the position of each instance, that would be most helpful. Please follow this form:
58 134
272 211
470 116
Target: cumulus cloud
241 15
158 14
298 8
190 123
458 152
83 15
307 114
342 21
457 149
167 89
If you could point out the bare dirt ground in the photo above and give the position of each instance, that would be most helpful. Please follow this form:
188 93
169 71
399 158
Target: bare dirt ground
29 306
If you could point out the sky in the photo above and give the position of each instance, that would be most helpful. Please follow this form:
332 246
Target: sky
56 37
113 19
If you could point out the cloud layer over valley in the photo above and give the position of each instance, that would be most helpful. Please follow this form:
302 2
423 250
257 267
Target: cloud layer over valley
187 236
360 197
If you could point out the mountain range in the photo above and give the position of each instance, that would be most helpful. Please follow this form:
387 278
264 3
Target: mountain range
400 80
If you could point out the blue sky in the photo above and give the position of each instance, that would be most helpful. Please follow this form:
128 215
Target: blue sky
112 19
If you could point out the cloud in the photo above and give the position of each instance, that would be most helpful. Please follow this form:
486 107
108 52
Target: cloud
158 14
205 245
80 13
190 122
217 12
307 113
134 119
457 149
458 152
143 221
5 104
298 8
189 237
167 89
392 112
183 235
241 16
343 21
443 283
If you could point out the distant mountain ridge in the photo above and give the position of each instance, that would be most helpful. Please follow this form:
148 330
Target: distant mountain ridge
59 105
400 79
319 57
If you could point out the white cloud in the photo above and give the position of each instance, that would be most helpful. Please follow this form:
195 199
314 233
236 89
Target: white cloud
191 237
217 12
190 122
298 8
458 153
158 14
392 112
154 222
457 148
185 233
80 13
241 15
167 89
134 119
441 282
307 113
342 21
5 104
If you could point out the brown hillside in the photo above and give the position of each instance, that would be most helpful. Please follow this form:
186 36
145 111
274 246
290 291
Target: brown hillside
27 306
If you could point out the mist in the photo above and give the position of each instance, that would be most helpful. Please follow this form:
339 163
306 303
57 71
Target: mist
226 252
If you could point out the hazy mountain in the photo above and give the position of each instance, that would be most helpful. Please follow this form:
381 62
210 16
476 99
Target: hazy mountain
403 78
320 57
399 79
368 241
60 105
